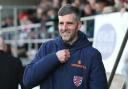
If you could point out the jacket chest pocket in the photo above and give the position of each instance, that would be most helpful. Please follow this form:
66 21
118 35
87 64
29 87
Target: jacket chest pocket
77 70
77 76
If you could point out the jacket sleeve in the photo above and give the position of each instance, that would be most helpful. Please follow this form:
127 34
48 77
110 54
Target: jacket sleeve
98 78
20 70
39 68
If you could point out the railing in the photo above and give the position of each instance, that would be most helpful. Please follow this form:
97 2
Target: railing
13 11
14 35
16 32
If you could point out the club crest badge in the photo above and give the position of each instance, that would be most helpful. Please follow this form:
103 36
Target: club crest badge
77 80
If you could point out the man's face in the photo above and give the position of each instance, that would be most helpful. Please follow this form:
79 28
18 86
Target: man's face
68 27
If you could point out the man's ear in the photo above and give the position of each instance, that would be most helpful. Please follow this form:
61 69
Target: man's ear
79 24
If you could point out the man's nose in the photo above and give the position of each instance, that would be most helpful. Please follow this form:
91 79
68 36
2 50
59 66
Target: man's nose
65 26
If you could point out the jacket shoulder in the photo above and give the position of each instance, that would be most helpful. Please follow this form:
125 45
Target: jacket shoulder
92 54
47 47
93 50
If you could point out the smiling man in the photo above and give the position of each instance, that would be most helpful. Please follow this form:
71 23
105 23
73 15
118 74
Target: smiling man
67 28
68 61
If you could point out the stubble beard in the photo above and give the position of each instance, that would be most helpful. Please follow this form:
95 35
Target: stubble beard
69 38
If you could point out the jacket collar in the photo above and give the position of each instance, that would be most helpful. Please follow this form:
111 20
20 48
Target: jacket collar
81 42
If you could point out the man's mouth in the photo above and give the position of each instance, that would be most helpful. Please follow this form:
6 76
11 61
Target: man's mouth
65 34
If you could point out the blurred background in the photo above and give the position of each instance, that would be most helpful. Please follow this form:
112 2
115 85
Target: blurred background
26 24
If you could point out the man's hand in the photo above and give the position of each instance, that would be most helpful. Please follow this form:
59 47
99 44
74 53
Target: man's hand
63 55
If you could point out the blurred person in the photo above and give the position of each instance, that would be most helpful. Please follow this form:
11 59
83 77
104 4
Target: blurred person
33 16
103 6
52 17
100 5
39 12
11 69
68 61
121 5
64 2
92 3
8 22
124 7
118 5
42 15
51 13
43 28
56 3
45 4
76 3
88 11
24 18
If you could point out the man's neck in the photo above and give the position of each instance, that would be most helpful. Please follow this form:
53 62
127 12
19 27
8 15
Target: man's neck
71 42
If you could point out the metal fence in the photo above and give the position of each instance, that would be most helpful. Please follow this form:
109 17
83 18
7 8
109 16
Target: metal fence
13 11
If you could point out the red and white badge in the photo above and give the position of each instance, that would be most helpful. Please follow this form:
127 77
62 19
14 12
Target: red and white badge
77 80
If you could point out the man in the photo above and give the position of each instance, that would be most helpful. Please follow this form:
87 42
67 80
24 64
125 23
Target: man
11 69
67 62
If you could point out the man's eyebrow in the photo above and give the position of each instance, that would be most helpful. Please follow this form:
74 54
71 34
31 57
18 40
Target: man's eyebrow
70 22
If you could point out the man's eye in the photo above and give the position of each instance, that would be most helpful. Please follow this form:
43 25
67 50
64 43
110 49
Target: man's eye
61 23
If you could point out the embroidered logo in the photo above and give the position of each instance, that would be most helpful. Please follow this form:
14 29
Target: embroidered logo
77 80
79 64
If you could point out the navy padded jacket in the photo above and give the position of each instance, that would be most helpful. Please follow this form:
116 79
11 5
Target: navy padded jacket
84 70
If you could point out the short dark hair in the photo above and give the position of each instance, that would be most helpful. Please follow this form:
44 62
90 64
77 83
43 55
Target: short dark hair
69 9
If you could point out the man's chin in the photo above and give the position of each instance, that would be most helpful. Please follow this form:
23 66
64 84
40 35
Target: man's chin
65 40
